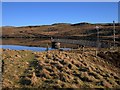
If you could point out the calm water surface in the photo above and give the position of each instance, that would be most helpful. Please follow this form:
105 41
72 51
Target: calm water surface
18 47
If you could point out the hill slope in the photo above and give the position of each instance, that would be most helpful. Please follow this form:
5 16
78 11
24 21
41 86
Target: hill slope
57 69
72 31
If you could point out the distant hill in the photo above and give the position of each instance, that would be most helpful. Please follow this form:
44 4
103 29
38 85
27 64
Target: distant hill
80 24
8 26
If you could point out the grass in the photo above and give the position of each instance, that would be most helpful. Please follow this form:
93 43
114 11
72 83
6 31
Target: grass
15 66
57 69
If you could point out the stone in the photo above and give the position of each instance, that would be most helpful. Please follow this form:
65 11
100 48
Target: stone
18 56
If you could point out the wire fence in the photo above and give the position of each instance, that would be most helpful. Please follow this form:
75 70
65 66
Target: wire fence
98 44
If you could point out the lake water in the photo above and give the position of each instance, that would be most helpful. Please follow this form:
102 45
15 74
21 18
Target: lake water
18 47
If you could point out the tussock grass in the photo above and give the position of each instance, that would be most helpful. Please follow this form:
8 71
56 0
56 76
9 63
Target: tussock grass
57 69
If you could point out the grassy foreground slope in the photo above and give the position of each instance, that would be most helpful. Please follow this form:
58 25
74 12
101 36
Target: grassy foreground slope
57 69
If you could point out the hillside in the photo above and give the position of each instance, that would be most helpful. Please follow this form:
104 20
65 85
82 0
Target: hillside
60 69
62 30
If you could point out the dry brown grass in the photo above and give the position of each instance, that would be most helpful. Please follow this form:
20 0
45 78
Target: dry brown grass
57 69
62 30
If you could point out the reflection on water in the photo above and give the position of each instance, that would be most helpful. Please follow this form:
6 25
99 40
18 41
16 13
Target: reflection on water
35 42
26 42
18 47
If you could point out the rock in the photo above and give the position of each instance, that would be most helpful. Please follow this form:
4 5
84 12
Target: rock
18 56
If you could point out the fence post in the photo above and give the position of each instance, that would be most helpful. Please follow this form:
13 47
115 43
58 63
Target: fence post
83 49
47 48
96 52
114 33
97 28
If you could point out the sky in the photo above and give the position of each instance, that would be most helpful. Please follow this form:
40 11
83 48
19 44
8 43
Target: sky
60 0
46 13
119 12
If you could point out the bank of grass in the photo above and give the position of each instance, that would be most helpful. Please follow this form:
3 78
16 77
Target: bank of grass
57 69
14 64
